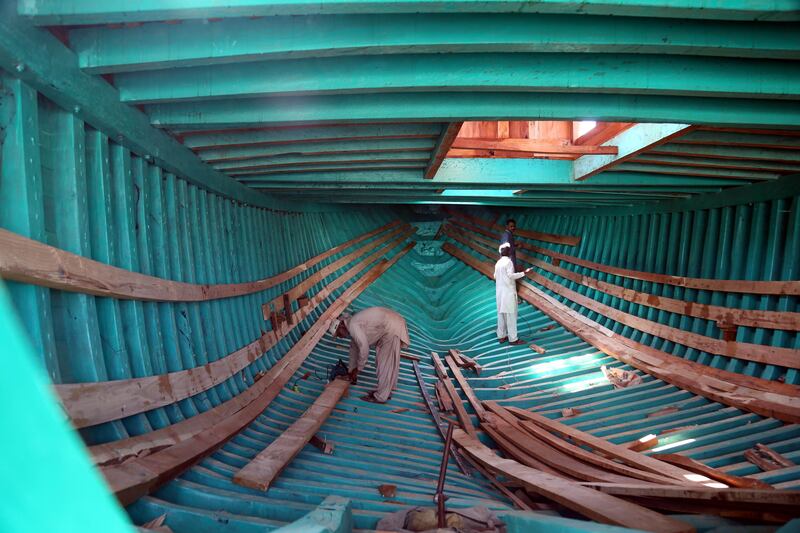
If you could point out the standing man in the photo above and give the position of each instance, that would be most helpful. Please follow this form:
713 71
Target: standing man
508 238
506 294
379 327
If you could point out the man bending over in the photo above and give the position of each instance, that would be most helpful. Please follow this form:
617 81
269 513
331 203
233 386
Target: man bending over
379 327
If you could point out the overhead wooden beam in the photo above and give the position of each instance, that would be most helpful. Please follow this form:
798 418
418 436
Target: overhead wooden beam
76 12
193 43
631 142
470 105
443 144
38 58
236 154
532 146
201 141
549 72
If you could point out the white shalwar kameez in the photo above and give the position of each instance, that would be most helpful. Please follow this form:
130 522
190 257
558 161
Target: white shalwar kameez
506 293
387 331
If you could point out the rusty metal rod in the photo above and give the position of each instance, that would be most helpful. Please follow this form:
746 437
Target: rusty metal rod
442 474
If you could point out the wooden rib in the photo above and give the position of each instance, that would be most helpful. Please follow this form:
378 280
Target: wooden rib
439 152
590 503
468 392
759 353
747 499
527 234
723 285
211 429
262 470
699 468
722 315
88 404
757 395
29 261
530 145
458 405
580 453
117 451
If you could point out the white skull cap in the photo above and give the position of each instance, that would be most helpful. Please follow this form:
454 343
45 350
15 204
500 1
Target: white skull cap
504 245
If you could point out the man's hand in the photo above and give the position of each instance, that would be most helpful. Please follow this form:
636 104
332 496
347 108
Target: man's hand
354 376
528 269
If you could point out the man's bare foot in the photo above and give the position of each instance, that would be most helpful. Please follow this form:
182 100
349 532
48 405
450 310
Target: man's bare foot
370 398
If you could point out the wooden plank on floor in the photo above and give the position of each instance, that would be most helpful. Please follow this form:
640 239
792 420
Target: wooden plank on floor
262 470
576 452
464 384
615 451
590 503
784 501
699 468
458 405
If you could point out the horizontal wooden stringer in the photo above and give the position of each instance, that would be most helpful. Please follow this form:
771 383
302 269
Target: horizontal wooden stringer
277 303
29 261
189 441
765 397
759 353
528 234
724 316
88 404
722 285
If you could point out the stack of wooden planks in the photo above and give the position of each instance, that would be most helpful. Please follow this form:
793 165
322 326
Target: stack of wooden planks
551 463
580 472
